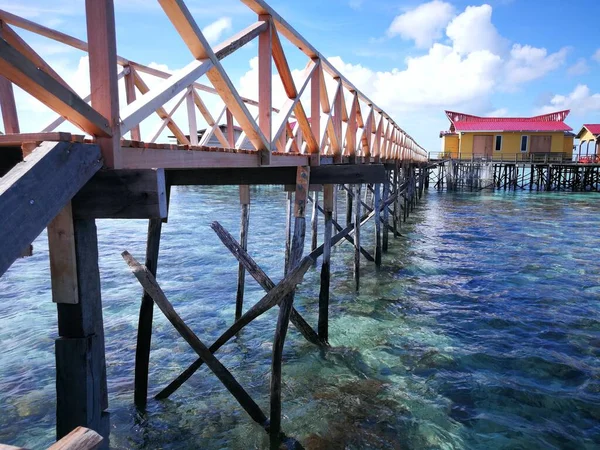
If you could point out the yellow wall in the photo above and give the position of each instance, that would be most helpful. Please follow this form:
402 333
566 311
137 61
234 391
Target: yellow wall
511 143
587 136
450 145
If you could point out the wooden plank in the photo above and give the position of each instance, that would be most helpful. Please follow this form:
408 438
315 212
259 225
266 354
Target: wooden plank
79 439
265 90
22 72
139 110
35 191
162 113
63 264
144 334
10 118
150 285
123 194
131 97
191 112
315 106
282 65
104 87
184 23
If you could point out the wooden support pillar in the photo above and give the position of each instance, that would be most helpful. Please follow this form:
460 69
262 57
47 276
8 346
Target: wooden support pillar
9 107
289 205
285 309
386 212
323 326
314 222
265 80
396 218
377 211
131 96
144 335
102 50
81 388
244 226
357 220
349 206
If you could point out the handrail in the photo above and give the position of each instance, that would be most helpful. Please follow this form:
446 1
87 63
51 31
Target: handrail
333 127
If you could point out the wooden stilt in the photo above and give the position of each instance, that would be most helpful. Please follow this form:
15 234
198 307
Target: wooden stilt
386 213
285 310
244 225
348 207
81 387
396 218
357 189
377 211
323 327
314 223
288 230
144 336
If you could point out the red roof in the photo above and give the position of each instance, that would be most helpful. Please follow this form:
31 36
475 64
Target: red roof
546 122
593 128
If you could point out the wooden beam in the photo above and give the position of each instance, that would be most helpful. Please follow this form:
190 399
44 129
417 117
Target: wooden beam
315 107
102 51
282 65
63 264
9 107
265 89
131 97
37 189
185 24
79 439
324 174
191 112
137 111
123 194
25 74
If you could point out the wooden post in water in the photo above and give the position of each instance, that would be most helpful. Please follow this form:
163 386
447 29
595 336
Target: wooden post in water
314 222
357 220
377 211
244 226
81 388
285 308
323 326
288 230
386 212
144 335
349 206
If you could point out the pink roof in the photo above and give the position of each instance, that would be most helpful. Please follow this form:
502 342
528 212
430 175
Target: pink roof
546 122
593 128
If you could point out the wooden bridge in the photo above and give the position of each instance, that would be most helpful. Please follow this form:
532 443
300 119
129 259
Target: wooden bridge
326 137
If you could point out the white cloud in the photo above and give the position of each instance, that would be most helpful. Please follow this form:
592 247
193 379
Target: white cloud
579 68
596 56
215 30
529 63
424 24
581 101
473 30
500 112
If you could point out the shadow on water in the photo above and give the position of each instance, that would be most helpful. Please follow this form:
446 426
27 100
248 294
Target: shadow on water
481 330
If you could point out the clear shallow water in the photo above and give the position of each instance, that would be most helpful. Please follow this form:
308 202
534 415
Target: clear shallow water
482 330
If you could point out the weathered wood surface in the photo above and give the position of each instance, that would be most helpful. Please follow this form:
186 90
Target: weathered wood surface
81 387
34 191
79 439
244 228
377 209
123 194
144 334
150 285
324 174
357 224
63 264
323 324
386 213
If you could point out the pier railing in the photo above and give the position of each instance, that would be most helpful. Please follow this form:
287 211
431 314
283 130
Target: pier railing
324 114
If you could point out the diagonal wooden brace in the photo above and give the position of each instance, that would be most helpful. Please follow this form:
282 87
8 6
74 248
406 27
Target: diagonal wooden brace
150 286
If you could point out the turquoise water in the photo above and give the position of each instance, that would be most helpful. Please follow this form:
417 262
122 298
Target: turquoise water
481 331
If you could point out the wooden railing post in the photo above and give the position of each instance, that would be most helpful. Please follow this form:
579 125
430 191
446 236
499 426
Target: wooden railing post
102 49
265 91
315 111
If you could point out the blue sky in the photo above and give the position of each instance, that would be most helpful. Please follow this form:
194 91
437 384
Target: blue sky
414 59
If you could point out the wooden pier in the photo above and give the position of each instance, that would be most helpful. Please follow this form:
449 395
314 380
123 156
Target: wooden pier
63 181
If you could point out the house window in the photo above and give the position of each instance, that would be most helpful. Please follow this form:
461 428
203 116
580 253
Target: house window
524 143
498 145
